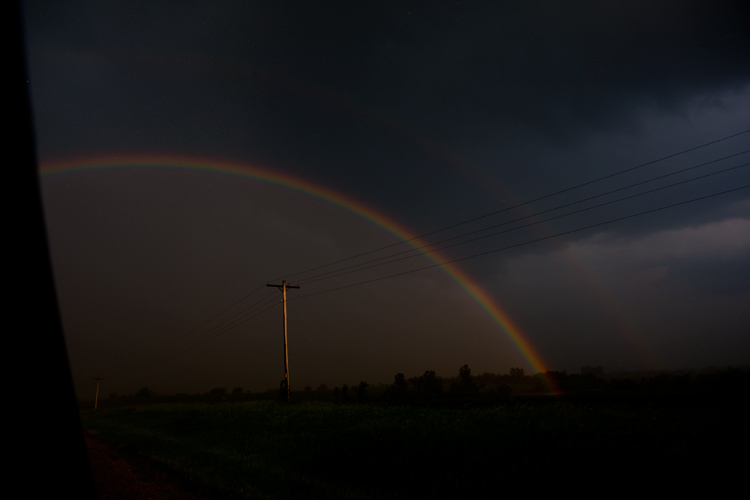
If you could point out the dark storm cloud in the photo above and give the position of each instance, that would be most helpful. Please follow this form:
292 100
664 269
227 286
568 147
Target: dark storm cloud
364 99
449 73
551 65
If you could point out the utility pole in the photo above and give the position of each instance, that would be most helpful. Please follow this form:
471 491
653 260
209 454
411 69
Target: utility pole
283 286
96 398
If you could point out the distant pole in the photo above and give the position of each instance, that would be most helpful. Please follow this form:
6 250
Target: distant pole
283 286
96 398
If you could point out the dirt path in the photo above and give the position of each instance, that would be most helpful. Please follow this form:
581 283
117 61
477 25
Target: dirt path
118 478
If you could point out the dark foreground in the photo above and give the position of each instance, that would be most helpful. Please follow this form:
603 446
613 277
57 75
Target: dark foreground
126 477
327 450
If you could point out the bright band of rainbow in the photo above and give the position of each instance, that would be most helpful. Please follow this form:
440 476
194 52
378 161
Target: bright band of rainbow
328 195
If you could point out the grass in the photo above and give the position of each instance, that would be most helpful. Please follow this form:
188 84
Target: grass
266 449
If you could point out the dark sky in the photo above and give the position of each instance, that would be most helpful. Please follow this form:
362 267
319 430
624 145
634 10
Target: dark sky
430 114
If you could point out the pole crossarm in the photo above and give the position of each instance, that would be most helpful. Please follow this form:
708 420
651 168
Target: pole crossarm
282 286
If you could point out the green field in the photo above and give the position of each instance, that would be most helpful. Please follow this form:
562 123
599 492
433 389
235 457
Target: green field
266 449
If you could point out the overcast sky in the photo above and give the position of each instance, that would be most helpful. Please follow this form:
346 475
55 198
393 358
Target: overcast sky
424 116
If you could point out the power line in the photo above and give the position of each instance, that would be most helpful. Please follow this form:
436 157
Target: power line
190 332
508 247
428 248
555 193
185 344
218 332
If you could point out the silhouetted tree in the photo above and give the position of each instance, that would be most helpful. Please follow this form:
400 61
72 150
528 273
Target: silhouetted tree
345 392
217 391
399 382
362 390
503 390
540 382
398 389
596 371
486 378
237 391
517 374
143 392
557 380
465 383
427 386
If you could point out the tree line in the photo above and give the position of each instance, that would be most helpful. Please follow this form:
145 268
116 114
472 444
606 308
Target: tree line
429 386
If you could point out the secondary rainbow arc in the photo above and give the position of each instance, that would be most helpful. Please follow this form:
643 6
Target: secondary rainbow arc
485 301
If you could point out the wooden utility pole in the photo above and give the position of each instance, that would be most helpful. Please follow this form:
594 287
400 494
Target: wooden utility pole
96 398
283 286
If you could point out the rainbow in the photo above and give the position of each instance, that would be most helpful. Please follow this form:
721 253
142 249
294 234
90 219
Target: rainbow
309 188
